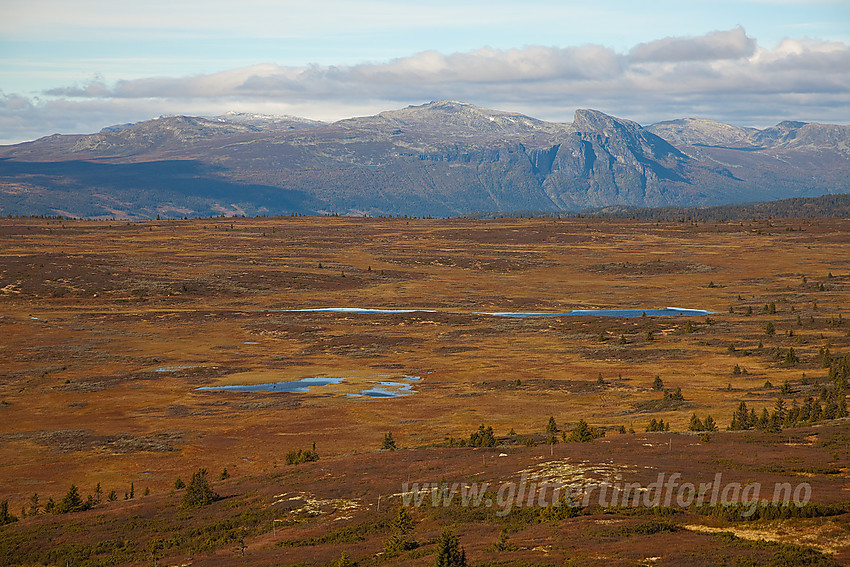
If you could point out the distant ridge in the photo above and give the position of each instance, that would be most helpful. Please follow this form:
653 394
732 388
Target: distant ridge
443 158
826 206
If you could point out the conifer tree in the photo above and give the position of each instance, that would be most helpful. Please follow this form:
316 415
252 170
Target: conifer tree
696 424
825 357
484 437
199 492
5 516
403 522
71 502
816 413
389 443
401 526
763 420
791 357
842 406
779 409
582 433
449 552
35 507
741 418
552 431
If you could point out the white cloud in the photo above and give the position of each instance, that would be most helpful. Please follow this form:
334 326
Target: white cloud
723 75
733 44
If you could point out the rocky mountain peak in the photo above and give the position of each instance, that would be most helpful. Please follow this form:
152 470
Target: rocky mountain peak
702 132
265 121
782 133
587 120
450 117
158 133
623 136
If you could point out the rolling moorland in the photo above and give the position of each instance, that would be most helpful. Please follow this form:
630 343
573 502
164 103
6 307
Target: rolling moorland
111 327
439 159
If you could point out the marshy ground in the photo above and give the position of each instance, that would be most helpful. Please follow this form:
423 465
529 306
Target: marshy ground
109 328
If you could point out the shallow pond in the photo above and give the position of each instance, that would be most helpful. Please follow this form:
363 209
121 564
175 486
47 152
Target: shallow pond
297 386
664 312
381 389
657 312
388 389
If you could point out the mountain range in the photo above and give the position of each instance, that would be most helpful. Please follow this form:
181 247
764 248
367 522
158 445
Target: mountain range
439 159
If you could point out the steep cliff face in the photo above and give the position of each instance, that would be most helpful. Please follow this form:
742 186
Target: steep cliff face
608 161
441 158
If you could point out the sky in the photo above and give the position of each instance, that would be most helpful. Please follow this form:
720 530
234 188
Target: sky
76 66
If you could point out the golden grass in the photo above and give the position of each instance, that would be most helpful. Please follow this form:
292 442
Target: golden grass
115 301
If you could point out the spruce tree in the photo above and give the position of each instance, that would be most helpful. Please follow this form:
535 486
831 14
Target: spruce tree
35 507
791 357
842 406
696 424
71 502
389 443
826 357
741 418
551 431
763 420
779 409
199 492
484 437
401 526
5 516
403 522
582 433
449 552
816 413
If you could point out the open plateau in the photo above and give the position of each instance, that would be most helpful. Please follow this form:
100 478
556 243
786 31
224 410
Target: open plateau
324 390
